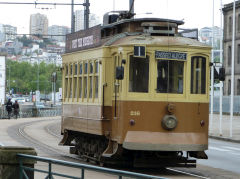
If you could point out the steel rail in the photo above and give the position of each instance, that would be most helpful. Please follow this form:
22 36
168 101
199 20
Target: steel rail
187 173
48 130
39 144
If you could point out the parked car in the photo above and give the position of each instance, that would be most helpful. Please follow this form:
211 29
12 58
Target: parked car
40 105
20 100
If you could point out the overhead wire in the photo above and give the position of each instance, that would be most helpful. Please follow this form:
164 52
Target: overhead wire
38 3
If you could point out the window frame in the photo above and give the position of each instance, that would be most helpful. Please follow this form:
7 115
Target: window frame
75 82
80 83
199 97
125 81
183 76
129 59
66 81
191 80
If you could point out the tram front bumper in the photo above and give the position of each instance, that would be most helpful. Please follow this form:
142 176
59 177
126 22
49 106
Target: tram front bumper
160 141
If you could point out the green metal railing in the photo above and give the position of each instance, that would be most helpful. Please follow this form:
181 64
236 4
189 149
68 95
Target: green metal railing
83 167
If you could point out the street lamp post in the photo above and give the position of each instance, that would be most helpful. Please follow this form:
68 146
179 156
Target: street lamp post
232 70
54 79
9 69
38 77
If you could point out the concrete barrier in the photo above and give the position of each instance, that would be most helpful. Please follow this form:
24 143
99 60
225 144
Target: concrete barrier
9 164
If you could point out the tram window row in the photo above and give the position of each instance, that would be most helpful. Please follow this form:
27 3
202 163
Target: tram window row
81 81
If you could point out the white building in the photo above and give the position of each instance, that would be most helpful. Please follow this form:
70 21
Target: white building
206 35
38 24
35 48
53 58
7 32
2 79
79 20
2 34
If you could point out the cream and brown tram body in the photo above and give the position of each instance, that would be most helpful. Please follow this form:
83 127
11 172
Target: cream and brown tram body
136 92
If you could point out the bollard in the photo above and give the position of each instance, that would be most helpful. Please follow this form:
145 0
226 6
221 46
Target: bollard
9 164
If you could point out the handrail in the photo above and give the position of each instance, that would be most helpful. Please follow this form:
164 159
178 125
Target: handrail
50 173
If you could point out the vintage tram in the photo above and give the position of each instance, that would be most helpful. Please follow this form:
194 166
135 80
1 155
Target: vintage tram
136 92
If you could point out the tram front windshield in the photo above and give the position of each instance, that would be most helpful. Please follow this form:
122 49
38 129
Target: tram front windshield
170 76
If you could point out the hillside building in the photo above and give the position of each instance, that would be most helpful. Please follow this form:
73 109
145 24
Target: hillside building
38 24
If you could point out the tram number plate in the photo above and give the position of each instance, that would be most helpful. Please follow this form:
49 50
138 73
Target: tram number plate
170 55
134 113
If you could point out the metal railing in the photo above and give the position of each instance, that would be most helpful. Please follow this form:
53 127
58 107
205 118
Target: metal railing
33 112
83 167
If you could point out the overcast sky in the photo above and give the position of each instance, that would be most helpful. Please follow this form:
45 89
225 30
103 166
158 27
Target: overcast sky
195 13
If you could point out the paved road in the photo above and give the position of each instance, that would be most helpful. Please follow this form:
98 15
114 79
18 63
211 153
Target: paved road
37 129
223 155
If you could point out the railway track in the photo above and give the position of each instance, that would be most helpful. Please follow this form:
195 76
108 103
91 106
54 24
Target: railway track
20 131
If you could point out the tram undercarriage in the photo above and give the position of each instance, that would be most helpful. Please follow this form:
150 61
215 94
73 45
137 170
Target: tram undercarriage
98 149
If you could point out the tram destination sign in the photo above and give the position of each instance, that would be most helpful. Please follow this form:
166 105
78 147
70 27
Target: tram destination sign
170 55
83 39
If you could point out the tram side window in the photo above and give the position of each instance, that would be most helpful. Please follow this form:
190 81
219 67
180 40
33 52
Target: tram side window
80 86
198 75
96 79
80 80
70 88
66 82
66 88
90 86
138 74
75 81
170 76
75 87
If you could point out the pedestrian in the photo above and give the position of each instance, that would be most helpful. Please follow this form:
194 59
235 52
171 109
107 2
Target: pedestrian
16 109
9 108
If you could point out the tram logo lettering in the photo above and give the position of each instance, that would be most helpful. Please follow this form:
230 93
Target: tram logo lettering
82 42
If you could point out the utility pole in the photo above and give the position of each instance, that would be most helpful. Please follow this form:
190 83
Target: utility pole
232 70
73 18
86 14
221 62
131 6
54 79
38 74
212 69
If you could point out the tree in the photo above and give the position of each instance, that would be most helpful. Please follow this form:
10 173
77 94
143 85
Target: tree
24 76
26 41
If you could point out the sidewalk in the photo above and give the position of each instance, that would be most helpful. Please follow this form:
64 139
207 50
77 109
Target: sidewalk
214 129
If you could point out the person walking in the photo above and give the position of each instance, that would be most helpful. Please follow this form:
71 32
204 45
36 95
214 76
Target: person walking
16 109
9 108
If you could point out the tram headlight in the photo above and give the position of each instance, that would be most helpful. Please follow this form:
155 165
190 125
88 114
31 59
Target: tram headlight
169 122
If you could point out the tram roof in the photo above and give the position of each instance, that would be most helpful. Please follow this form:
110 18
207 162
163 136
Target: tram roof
158 40
178 22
